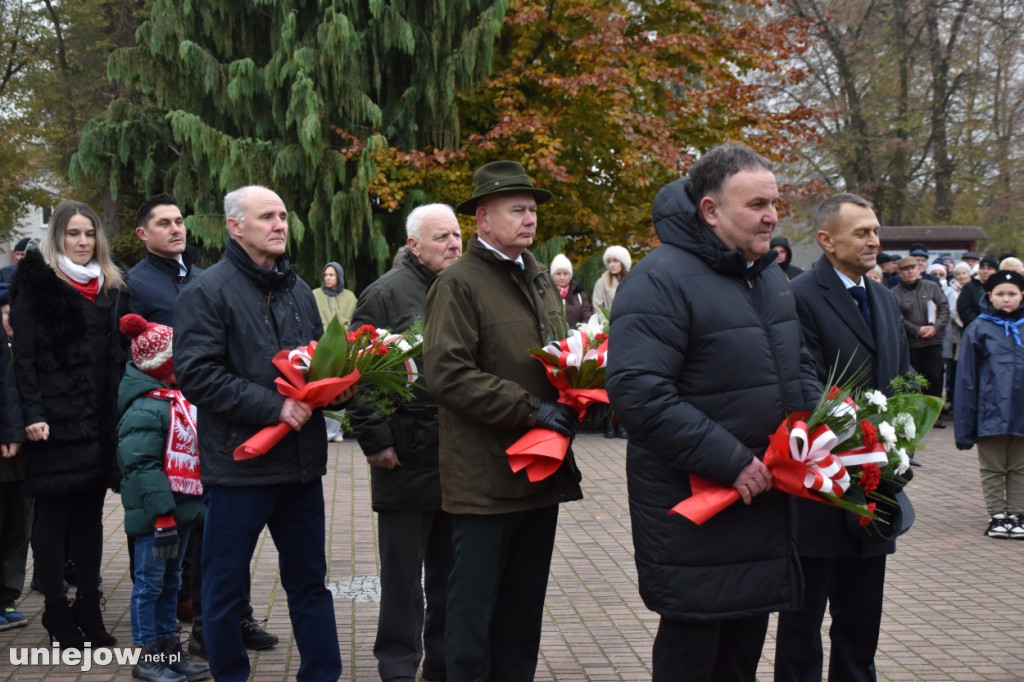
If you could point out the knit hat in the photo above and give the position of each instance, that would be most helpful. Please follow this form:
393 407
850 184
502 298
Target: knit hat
620 254
1005 277
937 269
883 258
151 346
22 244
990 262
962 266
560 262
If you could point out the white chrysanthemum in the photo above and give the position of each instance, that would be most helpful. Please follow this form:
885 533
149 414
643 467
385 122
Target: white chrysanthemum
878 399
904 461
404 345
593 326
888 434
906 426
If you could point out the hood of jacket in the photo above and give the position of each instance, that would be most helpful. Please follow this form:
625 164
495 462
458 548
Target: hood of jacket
784 243
676 222
134 383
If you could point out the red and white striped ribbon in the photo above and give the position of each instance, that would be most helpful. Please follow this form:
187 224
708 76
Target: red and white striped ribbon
825 473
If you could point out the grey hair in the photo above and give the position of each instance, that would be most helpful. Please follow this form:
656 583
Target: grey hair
829 209
234 201
414 223
709 174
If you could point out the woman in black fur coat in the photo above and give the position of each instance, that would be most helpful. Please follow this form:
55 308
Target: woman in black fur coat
69 354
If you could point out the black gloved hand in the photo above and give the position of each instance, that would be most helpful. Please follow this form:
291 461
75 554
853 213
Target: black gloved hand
165 540
558 417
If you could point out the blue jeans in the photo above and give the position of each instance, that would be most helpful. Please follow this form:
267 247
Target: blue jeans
155 594
235 517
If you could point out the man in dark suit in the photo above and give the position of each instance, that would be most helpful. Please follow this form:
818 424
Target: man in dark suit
848 320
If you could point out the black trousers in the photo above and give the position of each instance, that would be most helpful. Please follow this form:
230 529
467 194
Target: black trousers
853 588
928 361
83 515
709 651
496 594
415 558
15 525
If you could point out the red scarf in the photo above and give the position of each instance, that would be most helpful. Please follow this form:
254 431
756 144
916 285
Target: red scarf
564 292
90 289
181 458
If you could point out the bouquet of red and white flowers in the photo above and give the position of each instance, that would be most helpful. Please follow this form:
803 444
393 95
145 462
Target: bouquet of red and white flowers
575 365
853 451
319 372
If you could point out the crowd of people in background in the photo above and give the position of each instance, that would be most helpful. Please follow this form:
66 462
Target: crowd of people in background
144 383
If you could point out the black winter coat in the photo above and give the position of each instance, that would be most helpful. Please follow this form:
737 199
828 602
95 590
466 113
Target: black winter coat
577 306
69 356
228 325
12 428
155 285
394 302
970 301
704 363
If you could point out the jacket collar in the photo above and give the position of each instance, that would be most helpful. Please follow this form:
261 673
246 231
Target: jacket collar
170 265
264 278
422 272
842 303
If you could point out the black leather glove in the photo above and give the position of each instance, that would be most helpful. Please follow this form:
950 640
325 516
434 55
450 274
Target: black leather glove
165 541
558 417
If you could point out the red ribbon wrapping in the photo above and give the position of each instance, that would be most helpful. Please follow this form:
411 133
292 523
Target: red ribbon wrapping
788 475
293 385
541 451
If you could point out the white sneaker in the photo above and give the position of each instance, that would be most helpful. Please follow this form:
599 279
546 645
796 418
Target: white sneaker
1016 527
998 526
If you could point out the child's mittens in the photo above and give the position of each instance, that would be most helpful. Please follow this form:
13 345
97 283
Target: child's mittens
165 538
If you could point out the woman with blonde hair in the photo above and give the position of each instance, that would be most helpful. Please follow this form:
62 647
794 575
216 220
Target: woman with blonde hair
617 262
69 356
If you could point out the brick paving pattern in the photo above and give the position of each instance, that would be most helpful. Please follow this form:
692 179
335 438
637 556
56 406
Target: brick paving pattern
954 601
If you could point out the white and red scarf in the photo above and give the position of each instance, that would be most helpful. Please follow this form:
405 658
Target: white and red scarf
181 458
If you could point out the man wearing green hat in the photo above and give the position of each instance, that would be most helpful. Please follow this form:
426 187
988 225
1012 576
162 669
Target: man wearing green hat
482 313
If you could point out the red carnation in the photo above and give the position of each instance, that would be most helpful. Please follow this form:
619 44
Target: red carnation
865 520
367 329
869 433
833 393
870 476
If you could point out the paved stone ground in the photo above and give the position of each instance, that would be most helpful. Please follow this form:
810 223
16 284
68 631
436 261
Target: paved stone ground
954 601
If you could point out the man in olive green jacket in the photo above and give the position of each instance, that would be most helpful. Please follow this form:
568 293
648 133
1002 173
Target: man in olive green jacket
481 315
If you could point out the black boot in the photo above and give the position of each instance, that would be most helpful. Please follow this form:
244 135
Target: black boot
620 431
180 663
152 666
196 643
609 427
89 615
254 636
59 621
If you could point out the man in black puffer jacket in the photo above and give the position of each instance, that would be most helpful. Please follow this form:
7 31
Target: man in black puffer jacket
704 363
228 325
